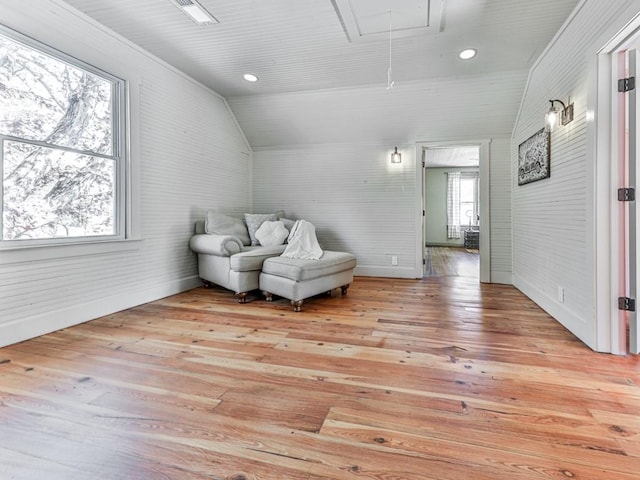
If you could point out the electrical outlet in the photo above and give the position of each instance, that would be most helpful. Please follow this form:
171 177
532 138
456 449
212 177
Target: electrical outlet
561 294
394 260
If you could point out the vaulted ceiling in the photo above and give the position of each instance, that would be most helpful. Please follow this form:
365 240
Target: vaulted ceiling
306 46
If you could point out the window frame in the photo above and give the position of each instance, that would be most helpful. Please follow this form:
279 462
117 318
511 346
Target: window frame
120 146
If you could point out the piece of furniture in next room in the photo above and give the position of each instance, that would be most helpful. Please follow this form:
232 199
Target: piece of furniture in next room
472 239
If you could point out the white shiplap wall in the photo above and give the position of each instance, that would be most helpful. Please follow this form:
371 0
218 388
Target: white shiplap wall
500 208
358 201
361 203
327 153
552 237
189 156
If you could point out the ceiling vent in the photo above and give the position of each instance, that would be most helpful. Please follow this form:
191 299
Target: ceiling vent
195 11
368 20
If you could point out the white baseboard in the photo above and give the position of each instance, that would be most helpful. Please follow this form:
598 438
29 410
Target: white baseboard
30 327
575 324
502 277
379 271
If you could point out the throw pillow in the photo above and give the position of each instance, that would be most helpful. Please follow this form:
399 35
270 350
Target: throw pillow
254 220
271 233
288 223
222 224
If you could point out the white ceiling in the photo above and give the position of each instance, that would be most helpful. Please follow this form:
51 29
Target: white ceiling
298 45
467 156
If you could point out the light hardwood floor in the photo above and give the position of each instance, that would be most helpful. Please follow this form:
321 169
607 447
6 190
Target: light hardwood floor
452 262
441 378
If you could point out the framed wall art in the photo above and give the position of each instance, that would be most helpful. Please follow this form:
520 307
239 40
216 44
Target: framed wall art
534 158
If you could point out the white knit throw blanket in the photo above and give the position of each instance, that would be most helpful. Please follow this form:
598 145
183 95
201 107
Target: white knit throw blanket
302 242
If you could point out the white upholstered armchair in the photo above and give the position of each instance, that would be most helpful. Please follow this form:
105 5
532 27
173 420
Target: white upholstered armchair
225 254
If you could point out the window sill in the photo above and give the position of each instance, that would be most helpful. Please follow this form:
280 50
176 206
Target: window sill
34 253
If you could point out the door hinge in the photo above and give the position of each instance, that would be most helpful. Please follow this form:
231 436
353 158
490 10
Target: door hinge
626 303
626 194
626 84
424 164
424 261
423 213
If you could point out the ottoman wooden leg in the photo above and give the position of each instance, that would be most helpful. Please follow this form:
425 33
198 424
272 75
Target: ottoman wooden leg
297 305
344 289
242 297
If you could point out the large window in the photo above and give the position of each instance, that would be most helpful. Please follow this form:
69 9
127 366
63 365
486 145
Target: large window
61 155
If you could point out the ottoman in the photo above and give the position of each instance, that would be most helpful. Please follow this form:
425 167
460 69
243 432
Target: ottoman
297 279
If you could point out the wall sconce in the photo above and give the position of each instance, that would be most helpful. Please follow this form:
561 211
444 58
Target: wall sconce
396 156
551 117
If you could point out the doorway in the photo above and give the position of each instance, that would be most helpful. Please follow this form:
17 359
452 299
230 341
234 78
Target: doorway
453 179
452 211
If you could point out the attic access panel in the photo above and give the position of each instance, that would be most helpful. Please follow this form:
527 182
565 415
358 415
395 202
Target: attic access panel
367 20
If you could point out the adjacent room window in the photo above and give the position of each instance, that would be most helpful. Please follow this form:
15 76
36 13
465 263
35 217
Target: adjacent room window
61 152
462 202
469 199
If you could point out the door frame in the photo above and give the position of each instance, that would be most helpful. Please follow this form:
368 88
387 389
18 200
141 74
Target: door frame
608 236
485 208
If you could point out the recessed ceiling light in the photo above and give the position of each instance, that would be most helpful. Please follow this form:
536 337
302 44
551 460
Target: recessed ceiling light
468 53
195 11
250 77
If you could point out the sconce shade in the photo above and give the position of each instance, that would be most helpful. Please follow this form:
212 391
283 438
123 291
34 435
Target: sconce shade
565 114
396 157
551 118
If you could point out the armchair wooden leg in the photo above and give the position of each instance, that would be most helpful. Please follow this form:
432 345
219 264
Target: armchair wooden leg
242 297
344 289
297 305
268 296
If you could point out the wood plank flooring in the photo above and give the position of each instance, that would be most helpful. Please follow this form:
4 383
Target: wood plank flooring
440 378
452 262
